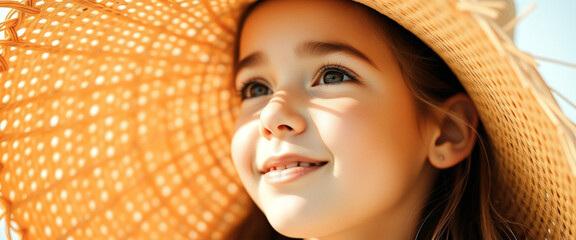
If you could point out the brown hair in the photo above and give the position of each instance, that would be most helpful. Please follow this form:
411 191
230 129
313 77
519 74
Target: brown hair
460 206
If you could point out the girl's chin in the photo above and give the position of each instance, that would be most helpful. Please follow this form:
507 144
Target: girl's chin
294 228
297 218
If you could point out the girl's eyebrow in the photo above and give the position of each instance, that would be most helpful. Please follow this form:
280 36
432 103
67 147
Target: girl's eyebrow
253 59
307 49
314 49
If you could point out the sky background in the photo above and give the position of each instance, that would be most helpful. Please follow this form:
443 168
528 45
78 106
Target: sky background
550 31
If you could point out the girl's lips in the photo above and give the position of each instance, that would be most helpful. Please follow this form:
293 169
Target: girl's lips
288 175
289 167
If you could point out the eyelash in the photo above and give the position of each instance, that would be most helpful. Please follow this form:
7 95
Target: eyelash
240 92
334 67
317 78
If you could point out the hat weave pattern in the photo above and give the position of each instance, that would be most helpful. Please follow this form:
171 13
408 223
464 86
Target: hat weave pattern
116 116
534 176
534 171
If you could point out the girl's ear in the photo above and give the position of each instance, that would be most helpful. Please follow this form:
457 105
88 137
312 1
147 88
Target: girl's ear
455 133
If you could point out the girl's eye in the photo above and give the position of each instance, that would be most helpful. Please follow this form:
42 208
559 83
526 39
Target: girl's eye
254 89
335 75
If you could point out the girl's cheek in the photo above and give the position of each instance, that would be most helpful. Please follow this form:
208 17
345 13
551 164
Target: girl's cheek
243 146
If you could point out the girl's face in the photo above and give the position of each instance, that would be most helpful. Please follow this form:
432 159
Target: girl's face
328 140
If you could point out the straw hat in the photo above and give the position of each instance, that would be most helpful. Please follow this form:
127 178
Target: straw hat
116 116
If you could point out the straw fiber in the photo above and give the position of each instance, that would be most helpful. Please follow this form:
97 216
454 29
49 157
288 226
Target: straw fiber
116 116
534 174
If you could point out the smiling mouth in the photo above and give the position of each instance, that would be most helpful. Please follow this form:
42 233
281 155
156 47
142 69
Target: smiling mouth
289 169
294 165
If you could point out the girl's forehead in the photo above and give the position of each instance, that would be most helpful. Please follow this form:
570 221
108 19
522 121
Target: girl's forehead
292 13
276 25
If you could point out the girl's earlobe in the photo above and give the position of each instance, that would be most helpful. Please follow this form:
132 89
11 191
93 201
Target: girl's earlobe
456 135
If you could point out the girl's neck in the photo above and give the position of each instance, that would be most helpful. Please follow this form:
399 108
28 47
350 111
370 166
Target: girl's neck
400 229
394 224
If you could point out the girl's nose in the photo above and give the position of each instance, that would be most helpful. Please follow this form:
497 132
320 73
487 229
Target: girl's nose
279 119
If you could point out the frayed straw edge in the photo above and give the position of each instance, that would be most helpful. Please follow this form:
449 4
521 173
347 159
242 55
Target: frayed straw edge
10 24
525 67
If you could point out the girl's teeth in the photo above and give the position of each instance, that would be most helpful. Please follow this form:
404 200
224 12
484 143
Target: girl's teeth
291 165
296 164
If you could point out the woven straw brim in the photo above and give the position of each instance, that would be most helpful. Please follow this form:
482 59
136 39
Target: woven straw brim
116 117
534 174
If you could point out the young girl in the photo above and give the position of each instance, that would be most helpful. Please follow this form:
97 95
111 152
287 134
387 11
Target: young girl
352 128
382 119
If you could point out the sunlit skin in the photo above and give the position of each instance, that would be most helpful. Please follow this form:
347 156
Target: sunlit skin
320 82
